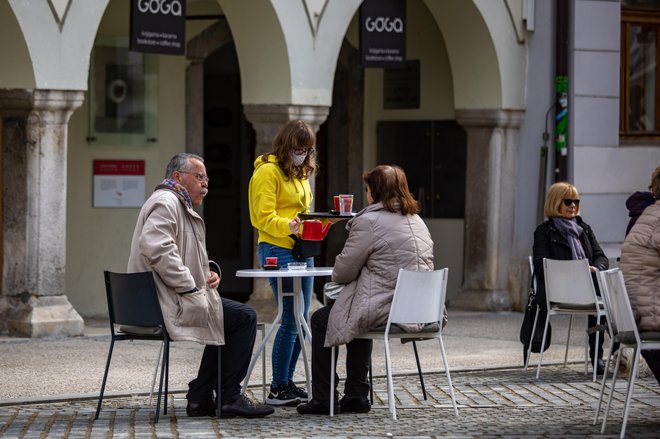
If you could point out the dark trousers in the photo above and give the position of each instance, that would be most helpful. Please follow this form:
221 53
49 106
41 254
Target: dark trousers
240 332
358 353
592 321
653 360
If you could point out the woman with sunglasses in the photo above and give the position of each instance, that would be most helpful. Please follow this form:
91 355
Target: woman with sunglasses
564 235
279 190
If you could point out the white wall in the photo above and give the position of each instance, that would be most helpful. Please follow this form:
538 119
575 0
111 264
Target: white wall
604 171
99 238
15 65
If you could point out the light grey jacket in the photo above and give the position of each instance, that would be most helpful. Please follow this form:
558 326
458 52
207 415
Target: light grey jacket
379 243
169 239
640 263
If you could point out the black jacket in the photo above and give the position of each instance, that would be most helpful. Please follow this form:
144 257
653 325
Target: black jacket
550 243
636 203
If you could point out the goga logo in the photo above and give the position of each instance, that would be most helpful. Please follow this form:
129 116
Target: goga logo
160 7
384 24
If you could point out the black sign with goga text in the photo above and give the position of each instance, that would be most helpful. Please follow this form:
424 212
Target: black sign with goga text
158 26
383 33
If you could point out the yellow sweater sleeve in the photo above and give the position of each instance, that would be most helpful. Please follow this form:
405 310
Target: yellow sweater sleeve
274 201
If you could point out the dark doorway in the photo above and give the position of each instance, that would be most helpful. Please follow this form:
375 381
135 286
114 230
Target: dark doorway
228 152
339 142
433 155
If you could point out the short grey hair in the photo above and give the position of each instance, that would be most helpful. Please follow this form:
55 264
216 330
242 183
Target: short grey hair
179 162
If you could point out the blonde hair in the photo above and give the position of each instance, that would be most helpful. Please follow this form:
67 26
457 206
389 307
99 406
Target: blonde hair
556 194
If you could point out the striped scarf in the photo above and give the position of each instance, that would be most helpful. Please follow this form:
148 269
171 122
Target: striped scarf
176 187
572 231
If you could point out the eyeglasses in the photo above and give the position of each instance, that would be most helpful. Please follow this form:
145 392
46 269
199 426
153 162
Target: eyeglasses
199 177
306 151
568 202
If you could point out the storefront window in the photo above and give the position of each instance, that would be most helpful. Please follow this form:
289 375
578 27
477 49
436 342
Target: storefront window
123 95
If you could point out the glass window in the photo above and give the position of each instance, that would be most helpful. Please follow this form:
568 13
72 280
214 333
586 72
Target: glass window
123 94
640 76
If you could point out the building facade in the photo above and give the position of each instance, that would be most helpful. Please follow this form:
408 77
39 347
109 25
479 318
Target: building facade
465 118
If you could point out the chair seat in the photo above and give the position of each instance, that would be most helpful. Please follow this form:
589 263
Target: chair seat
628 337
556 306
140 330
396 329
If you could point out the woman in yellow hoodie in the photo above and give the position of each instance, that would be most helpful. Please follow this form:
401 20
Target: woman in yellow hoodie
279 190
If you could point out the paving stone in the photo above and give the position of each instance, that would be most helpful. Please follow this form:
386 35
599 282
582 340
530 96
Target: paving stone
508 403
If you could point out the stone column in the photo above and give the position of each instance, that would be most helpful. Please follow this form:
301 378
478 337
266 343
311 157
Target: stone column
266 121
492 137
34 176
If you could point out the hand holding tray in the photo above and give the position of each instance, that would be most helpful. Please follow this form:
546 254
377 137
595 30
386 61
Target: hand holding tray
333 214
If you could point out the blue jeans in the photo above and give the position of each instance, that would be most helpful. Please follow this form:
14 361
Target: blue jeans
286 347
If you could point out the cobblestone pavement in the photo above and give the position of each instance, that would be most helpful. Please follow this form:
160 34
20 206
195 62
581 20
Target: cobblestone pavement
504 403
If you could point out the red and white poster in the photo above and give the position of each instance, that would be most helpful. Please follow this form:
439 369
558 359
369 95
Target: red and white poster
118 183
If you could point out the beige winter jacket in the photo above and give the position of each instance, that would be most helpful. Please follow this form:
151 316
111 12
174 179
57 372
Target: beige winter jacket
640 263
379 244
169 239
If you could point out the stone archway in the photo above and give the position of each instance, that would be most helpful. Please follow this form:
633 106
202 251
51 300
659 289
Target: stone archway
488 83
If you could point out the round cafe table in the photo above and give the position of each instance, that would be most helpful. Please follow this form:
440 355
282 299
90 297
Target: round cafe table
301 323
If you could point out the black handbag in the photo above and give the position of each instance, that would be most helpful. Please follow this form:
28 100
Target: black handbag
303 249
528 324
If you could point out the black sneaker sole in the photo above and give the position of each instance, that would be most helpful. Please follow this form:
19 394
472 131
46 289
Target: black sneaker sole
282 402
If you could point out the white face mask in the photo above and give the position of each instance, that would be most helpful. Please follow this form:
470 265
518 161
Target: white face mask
298 159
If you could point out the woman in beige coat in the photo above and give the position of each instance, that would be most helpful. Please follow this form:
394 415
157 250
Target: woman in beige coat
385 236
640 264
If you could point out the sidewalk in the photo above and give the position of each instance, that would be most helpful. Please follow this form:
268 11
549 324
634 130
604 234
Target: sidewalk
48 388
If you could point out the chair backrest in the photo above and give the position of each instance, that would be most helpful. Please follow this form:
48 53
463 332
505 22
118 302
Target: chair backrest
419 296
531 272
569 282
615 295
132 299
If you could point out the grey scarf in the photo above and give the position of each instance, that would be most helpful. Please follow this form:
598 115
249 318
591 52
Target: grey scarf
571 231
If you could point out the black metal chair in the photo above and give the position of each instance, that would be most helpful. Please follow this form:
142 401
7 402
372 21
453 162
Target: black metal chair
135 314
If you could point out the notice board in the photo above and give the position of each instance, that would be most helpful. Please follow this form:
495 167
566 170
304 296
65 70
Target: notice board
118 183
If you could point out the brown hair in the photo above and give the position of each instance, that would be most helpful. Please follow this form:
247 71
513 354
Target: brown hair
295 134
655 183
389 185
556 193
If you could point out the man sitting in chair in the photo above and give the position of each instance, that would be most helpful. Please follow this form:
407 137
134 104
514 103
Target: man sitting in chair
169 239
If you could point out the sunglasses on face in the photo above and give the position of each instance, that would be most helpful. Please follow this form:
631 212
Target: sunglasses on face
568 202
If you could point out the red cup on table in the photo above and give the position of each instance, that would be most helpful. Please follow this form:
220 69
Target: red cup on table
271 261
336 200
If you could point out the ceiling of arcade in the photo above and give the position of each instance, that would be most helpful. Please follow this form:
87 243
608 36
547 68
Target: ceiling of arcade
298 41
